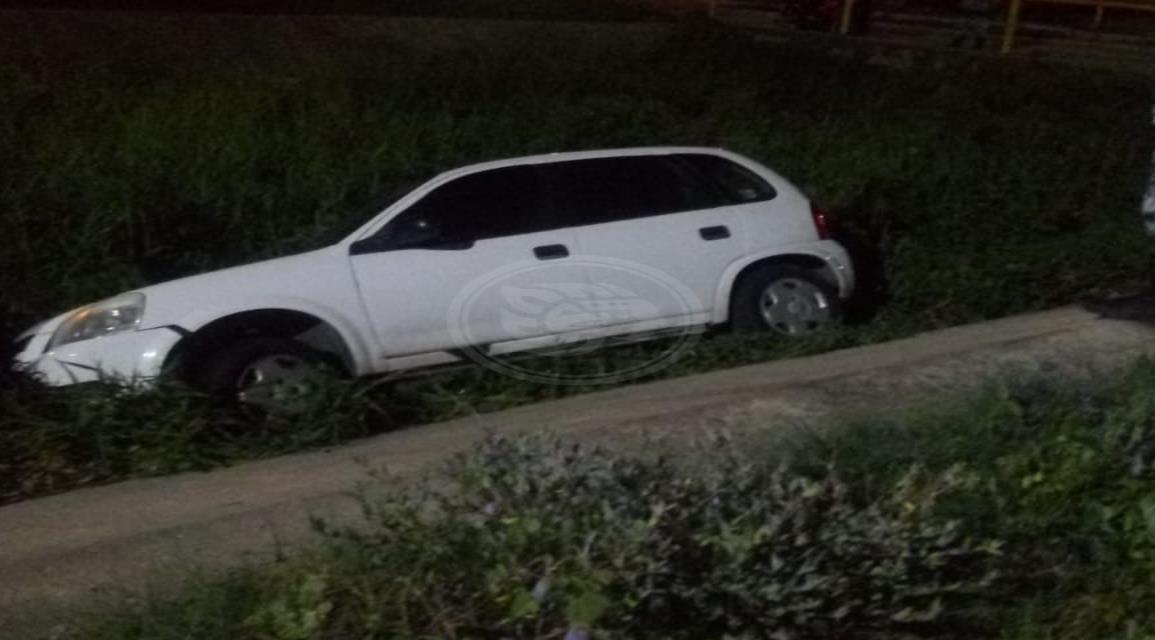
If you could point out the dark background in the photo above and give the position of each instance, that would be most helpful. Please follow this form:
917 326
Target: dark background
390 7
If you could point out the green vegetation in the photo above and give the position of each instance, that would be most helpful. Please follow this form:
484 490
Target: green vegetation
1026 513
1061 474
990 188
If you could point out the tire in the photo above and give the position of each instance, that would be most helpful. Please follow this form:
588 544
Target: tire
783 299
233 375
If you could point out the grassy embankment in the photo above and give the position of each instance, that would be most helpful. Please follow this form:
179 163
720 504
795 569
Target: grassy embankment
990 188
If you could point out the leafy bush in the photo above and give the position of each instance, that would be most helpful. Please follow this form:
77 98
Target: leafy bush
1063 476
1079 504
538 539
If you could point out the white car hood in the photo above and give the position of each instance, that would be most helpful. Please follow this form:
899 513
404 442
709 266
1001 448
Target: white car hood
317 281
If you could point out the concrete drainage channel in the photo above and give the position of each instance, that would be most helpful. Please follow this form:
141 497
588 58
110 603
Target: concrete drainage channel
67 552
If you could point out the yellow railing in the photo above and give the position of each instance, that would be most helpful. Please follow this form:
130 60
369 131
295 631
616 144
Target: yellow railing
847 14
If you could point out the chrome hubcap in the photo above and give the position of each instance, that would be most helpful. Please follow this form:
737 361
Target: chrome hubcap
280 383
793 307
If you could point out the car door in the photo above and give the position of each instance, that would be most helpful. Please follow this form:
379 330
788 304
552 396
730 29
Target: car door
652 228
452 269
767 222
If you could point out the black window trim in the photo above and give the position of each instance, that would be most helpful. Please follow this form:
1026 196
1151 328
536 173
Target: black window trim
372 243
549 217
676 158
714 181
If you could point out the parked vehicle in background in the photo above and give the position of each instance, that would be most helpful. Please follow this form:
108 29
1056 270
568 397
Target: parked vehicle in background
495 258
1149 195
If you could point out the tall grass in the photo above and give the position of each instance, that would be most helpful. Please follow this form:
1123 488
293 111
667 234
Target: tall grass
989 188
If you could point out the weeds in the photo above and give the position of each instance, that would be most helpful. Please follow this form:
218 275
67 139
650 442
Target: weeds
54 440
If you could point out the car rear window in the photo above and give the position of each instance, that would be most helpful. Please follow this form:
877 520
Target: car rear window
737 183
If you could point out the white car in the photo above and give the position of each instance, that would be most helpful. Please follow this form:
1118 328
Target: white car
494 258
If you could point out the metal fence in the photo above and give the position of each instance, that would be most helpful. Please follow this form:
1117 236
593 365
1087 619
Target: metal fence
1011 13
1099 7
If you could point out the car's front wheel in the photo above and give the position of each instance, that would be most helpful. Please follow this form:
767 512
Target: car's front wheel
784 299
266 375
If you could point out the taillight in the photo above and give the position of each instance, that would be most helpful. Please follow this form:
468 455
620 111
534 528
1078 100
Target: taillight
823 221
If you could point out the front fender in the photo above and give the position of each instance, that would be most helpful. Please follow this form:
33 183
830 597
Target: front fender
347 328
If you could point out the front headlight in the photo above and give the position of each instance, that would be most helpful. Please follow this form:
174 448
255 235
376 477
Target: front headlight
107 317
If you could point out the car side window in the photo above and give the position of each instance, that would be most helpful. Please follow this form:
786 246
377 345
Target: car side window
739 184
622 188
488 204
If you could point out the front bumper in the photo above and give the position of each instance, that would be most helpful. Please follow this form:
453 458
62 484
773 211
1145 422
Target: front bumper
132 357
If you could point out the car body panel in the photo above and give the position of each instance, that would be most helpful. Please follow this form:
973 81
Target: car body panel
132 358
671 245
318 283
410 293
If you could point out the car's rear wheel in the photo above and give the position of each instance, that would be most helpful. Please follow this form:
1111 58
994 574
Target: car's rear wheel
265 375
784 299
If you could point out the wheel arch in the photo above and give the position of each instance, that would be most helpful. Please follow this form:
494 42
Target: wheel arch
310 329
737 272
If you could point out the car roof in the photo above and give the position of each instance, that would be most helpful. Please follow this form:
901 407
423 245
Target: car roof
546 158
